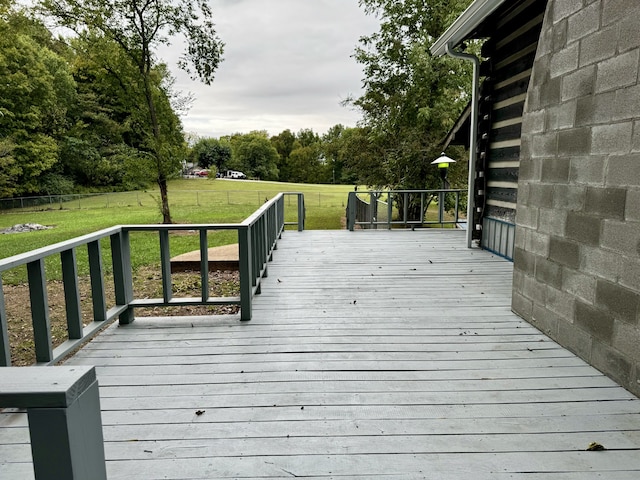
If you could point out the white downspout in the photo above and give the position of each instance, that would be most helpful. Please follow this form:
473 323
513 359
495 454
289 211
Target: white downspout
473 133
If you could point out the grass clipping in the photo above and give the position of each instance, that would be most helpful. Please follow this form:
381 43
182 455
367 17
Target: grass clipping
147 283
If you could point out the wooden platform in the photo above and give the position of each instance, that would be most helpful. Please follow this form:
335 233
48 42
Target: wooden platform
219 258
372 355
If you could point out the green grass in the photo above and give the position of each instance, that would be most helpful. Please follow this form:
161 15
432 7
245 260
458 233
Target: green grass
191 200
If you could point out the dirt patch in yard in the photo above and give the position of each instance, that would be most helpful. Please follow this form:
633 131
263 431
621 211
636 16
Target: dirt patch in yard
147 283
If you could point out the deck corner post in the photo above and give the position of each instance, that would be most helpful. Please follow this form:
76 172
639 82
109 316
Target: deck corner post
67 442
246 274
351 211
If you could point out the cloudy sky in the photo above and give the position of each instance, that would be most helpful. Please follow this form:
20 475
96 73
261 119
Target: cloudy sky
287 64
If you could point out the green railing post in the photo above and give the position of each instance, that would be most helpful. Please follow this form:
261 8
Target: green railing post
246 273
301 212
122 280
165 262
204 265
71 293
5 351
40 311
96 273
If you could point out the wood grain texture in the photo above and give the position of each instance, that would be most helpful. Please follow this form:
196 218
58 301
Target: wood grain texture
371 355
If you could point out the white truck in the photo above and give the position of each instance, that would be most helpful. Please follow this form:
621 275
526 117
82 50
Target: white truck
234 174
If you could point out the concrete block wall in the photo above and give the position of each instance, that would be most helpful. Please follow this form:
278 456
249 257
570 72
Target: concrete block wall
577 255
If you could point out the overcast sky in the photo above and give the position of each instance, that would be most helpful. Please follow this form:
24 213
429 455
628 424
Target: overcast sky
287 64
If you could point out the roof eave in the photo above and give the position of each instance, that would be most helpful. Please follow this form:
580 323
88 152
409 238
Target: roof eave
464 25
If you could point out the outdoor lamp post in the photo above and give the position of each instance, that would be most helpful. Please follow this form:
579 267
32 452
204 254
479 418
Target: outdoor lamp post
443 166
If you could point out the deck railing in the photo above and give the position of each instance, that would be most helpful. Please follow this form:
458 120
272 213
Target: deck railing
257 238
373 208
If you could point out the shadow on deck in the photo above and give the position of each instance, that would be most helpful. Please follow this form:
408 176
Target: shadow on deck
376 354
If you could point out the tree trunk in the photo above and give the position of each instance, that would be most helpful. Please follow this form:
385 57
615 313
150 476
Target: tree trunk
164 200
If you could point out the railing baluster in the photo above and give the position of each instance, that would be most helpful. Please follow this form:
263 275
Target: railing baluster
122 280
96 273
40 310
5 350
165 261
71 293
204 265
246 274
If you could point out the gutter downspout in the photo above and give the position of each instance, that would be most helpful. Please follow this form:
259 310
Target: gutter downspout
474 136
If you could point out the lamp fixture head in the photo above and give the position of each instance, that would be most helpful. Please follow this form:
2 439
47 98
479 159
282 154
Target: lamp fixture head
443 161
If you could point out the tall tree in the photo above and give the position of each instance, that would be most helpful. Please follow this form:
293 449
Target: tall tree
410 99
254 154
210 151
139 27
35 90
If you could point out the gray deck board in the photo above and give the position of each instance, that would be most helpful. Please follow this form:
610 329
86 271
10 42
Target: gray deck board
384 355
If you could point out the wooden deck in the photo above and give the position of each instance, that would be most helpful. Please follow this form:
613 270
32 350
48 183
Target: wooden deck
371 355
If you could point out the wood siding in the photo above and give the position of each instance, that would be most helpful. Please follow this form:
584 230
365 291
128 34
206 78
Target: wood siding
513 34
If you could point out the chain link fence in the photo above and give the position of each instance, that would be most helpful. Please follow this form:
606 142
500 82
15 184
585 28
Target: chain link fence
151 199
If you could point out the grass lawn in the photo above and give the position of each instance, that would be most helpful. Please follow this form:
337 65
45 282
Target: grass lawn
191 200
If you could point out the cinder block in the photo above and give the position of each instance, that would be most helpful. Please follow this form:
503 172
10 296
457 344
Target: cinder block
559 38
521 305
623 170
564 252
595 109
584 22
599 46
556 170
534 290
550 92
575 339
564 61
574 141
606 202
626 339
517 281
561 303
630 275
537 243
564 8
579 285
613 10
602 263
587 170
533 122
629 33
632 206
524 261
544 145
584 229
561 116
619 71
623 237
544 320
611 139
548 272
579 83
541 194
596 322
617 300
527 216
569 197
627 104
635 141
552 221
611 362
